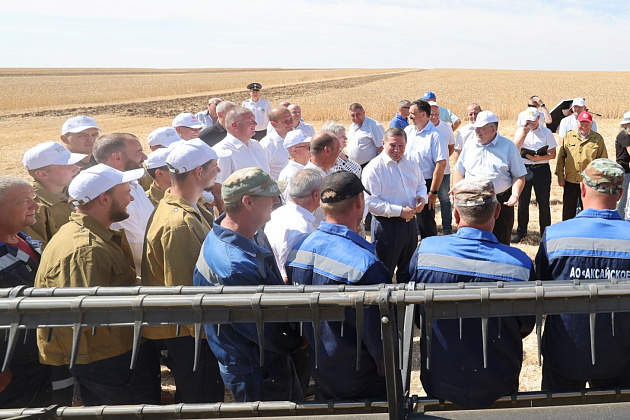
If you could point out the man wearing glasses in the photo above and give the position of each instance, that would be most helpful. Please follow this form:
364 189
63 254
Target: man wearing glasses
400 120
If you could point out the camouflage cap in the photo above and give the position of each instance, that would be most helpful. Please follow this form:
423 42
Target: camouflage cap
248 181
473 192
604 175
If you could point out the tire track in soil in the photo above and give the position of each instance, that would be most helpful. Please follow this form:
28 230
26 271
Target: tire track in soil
170 107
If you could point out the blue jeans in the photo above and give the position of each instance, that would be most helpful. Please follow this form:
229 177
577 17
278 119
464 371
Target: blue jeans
445 203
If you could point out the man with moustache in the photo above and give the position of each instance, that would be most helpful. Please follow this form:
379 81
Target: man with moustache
123 151
86 252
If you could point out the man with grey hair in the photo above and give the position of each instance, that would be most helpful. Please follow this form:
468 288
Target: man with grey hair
365 136
457 371
123 151
217 132
400 119
26 382
209 117
240 123
294 219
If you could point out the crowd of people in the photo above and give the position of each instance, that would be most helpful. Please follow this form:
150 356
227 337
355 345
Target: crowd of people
254 195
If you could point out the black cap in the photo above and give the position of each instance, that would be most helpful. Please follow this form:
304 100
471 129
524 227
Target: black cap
254 86
340 186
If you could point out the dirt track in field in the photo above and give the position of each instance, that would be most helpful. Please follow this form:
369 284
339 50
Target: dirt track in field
169 107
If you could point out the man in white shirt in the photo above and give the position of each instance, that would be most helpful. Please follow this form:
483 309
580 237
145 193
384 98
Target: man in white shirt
496 158
298 146
123 151
534 136
466 132
446 132
259 107
294 219
426 146
187 126
397 193
571 123
240 124
365 136
209 116
273 143
324 151
298 122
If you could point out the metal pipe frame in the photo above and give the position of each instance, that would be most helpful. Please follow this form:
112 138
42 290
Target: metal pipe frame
137 307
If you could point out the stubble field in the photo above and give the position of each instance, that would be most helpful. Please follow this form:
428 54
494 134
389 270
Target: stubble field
34 103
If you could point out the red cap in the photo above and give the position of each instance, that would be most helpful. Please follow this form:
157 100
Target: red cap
585 116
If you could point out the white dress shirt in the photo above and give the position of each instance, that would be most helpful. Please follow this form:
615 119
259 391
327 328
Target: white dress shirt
426 147
466 133
260 110
499 161
135 226
287 225
243 156
287 174
307 129
446 131
277 155
392 185
535 139
364 140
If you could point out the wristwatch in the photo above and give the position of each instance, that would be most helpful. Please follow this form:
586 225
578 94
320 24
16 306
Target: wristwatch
433 192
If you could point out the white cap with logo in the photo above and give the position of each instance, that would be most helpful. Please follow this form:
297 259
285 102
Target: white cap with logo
49 153
163 136
484 118
78 124
94 181
191 154
186 119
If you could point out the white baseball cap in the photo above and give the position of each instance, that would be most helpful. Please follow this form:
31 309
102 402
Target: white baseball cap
163 136
626 118
78 124
94 181
578 102
295 137
157 158
186 119
188 155
530 114
433 103
49 153
485 117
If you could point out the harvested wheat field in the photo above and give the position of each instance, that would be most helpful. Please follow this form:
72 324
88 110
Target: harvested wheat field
34 103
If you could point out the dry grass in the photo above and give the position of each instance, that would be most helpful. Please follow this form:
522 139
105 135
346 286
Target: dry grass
29 89
323 94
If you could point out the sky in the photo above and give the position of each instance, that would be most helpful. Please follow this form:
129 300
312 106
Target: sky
490 34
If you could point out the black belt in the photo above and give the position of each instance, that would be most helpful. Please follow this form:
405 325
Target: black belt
391 219
536 165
